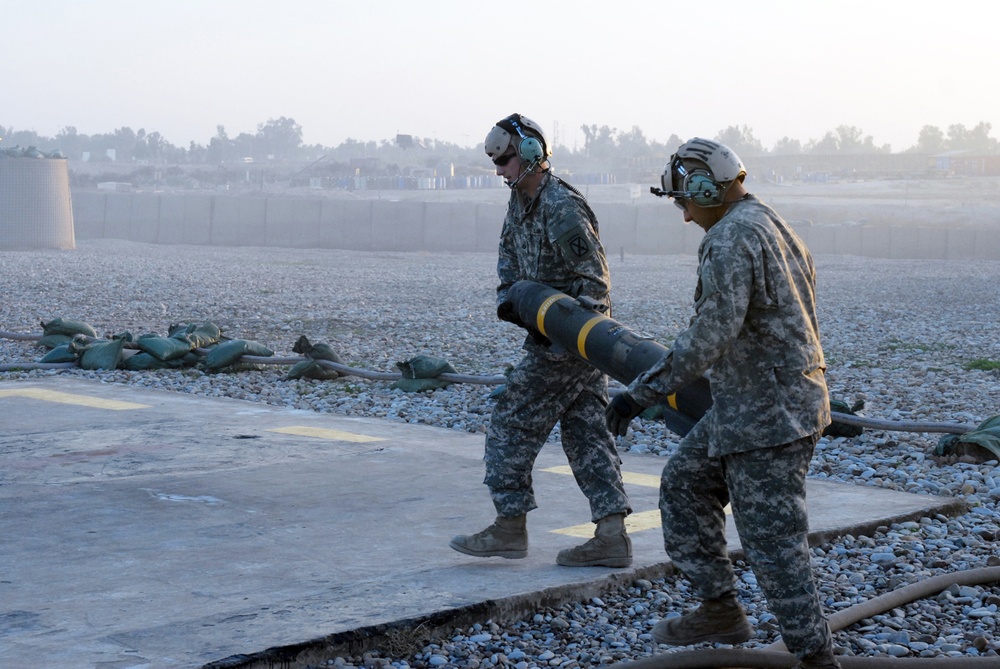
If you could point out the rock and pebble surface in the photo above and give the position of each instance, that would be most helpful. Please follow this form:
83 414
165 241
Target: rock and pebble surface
913 339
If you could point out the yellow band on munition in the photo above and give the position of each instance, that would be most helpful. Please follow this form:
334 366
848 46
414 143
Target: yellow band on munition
549 301
581 338
672 401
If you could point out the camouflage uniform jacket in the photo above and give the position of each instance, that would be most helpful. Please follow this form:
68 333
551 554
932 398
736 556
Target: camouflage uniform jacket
553 239
755 333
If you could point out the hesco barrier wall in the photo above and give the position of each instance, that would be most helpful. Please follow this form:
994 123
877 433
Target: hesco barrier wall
380 225
35 204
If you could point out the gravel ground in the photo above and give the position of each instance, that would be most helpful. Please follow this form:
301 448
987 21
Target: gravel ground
898 334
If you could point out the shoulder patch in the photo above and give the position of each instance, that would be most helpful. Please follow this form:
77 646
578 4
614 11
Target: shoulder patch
575 244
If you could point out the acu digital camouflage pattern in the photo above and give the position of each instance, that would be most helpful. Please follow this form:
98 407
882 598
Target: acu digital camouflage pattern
755 331
553 239
547 387
767 491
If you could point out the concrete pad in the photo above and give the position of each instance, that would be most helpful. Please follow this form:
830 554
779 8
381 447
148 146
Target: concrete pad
155 529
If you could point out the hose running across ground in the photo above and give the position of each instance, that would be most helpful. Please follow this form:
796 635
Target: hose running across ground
776 657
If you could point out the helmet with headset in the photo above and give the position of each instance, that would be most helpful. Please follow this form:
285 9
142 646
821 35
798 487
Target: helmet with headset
521 133
701 171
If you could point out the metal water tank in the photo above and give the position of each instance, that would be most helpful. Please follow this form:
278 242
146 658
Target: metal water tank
36 211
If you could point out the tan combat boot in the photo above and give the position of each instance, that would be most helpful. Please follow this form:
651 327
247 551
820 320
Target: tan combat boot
610 547
506 538
717 620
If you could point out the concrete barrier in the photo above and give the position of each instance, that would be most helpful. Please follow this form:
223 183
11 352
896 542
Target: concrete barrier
292 222
655 232
118 216
987 245
144 221
346 224
89 214
171 223
450 226
489 223
876 242
409 225
36 209
931 243
850 241
398 226
618 227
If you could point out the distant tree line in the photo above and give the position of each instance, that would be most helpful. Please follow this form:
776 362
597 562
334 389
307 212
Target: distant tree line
604 148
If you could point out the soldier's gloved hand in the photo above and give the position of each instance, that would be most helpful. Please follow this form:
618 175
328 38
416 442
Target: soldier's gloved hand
620 412
506 312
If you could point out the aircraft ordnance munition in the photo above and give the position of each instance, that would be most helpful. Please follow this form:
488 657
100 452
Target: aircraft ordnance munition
579 326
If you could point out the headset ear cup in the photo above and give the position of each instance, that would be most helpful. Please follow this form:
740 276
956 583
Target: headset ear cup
704 190
530 150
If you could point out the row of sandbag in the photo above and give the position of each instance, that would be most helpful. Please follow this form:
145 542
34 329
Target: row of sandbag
185 345
203 345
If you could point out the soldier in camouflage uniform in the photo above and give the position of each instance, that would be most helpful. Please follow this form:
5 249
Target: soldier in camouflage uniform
755 333
549 235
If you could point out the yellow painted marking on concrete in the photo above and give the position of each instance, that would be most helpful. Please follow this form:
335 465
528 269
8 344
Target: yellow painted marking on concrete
324 433
581 339
69 398
647 480
549 301
672 401
636 522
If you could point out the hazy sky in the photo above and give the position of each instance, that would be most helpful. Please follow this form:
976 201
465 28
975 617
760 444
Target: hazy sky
444 69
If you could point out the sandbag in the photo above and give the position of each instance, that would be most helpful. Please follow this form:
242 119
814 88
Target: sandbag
105 354
229 352
419 385
201 336
67 326
985 436
54 340
310 369
164 348
836 429
323 351
319 351
425 367
144 361
419 372
61 353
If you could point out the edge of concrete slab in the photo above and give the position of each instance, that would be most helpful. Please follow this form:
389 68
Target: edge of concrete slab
358 641
505 609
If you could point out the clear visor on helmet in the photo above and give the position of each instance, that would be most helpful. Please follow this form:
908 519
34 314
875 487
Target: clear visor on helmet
675 180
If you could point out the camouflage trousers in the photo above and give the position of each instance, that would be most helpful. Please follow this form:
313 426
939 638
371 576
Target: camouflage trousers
767 490
546 388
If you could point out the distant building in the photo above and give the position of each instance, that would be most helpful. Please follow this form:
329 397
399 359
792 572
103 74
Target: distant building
965 162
